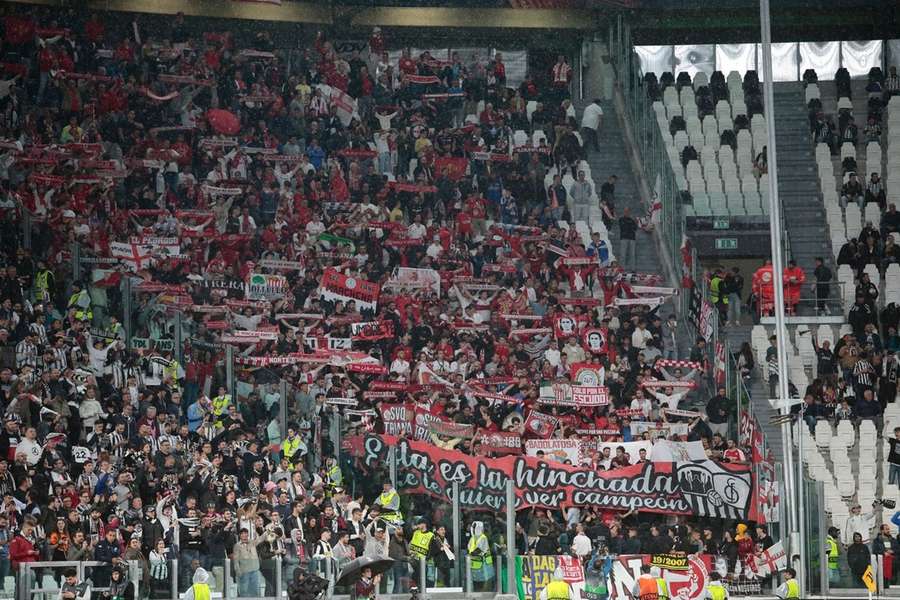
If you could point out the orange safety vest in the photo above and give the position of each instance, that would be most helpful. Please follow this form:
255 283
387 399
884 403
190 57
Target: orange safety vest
647 589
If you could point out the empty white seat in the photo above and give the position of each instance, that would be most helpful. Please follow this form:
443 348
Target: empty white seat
520 138
670 96
812 91
700 79
848 150
844 103
823 434
846 433
846 488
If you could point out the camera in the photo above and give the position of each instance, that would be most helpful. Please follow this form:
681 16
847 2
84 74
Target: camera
886 502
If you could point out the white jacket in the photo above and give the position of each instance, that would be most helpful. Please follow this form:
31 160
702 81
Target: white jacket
591 116
861 524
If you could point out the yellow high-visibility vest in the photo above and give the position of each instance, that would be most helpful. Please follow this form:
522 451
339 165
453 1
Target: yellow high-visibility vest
201 591
663 588
717 591
220 404
335 476
289 447
421 542
557 590
478 559
833 552
385 500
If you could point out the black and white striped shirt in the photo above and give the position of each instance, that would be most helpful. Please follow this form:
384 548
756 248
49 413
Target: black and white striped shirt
59 359
26 354
119 445
40 332
864 373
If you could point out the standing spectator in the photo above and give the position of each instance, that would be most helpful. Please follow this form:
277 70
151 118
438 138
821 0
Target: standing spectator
718 295
627 232
581 192
562 75
734 285
23 547
858 557
246 564
591 121
608 200
107 550
859 524
556 199
718 409
670 338
822 286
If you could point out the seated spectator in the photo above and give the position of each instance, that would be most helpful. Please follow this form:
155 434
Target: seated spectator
852 191
890 221
875 191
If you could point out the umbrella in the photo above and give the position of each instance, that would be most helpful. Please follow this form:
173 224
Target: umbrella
223 121
352 571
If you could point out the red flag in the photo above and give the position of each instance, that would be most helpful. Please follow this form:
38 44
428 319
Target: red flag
540 424
107 278
720 363
586 373
455 166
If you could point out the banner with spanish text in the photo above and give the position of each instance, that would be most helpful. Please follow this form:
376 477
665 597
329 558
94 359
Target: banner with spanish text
703 488
557 450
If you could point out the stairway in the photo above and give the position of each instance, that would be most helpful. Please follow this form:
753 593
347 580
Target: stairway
798 180
758 389
612 159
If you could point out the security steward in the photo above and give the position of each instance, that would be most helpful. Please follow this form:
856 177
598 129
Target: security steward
790 587
715 590
557 589
420 546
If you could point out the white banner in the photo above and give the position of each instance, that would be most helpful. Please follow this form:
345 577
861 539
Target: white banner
557 450
668 451
634 451
408 278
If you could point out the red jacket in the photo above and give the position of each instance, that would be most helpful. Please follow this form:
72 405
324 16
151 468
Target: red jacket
21 550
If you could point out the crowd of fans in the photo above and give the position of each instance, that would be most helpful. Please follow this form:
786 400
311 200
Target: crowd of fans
255 196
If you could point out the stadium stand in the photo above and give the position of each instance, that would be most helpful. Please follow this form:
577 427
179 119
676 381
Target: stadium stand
714 159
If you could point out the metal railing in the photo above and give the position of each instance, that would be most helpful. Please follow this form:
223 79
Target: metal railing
47 577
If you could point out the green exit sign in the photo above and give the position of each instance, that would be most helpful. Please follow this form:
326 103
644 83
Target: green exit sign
721 224
726 243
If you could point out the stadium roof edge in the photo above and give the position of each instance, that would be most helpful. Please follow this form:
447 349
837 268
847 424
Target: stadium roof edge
325 14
